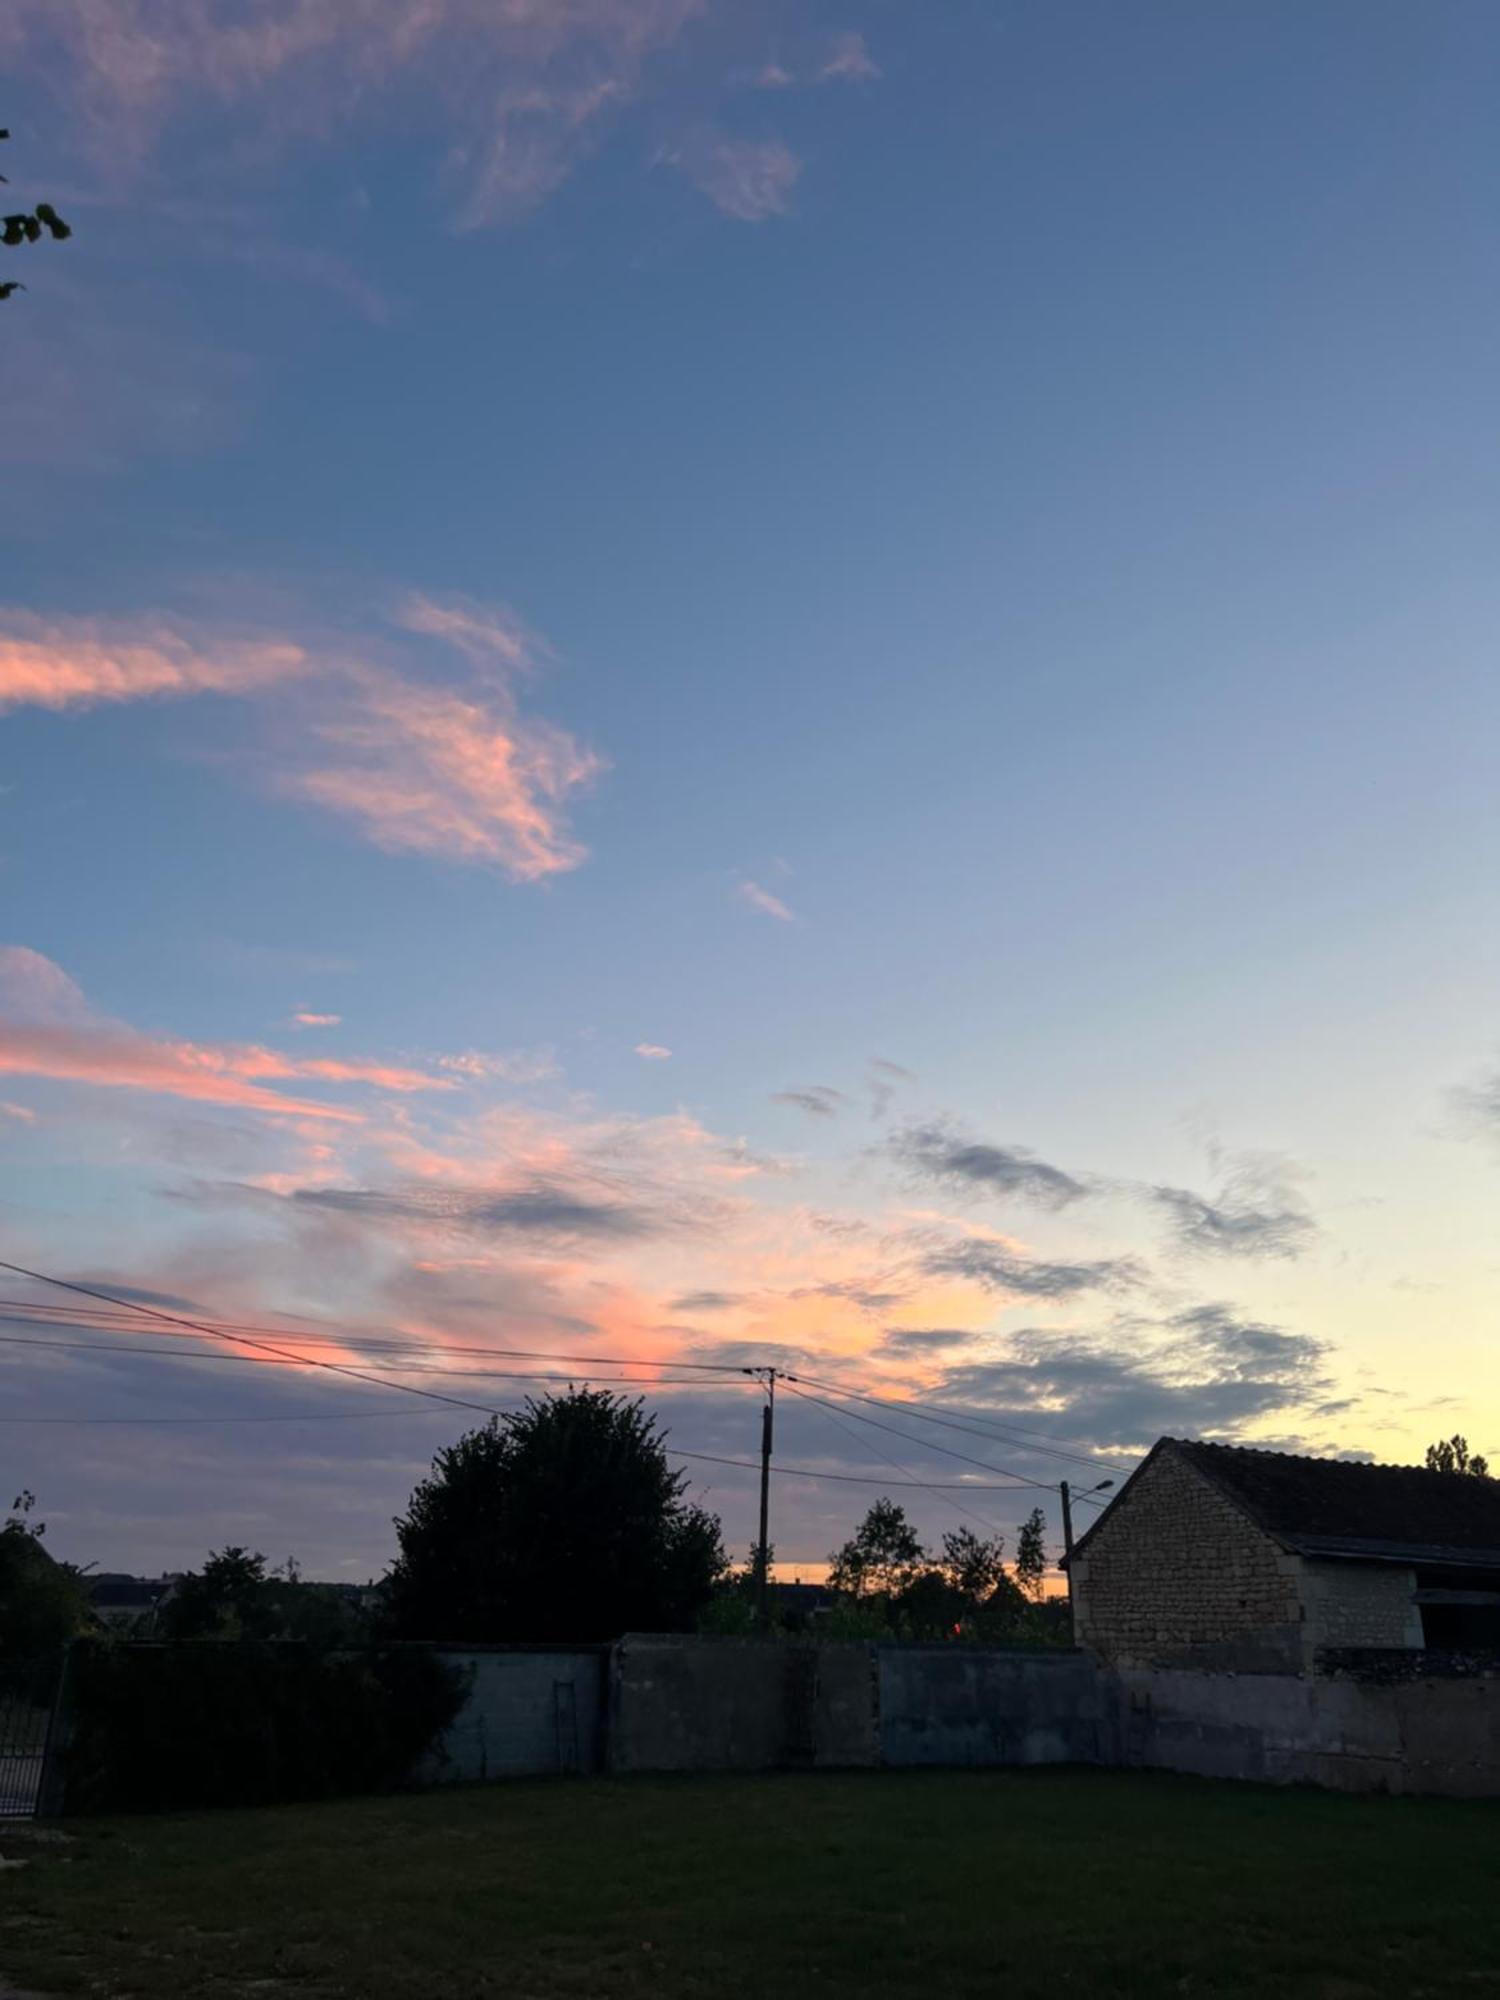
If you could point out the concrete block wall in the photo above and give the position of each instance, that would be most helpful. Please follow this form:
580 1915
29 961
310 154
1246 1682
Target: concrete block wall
958 1705
1423 1735
689 1704
528 1710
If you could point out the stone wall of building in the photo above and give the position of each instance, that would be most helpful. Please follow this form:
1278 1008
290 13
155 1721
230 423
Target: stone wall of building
1177 1575
1360 1604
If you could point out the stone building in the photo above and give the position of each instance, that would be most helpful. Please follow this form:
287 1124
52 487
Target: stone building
1219 1557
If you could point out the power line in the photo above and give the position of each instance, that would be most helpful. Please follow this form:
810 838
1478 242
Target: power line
241 1340
217 1329
925 1444
829 1411
919 1410
310 1417
844 1478
415 1368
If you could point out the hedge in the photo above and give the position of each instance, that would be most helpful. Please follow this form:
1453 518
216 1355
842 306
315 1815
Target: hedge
231 1723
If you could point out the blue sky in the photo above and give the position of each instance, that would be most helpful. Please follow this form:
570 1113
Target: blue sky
799 537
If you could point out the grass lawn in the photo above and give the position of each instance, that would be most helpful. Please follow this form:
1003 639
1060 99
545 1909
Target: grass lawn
997 1883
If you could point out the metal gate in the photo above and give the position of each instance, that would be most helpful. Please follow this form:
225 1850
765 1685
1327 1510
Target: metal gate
28 1703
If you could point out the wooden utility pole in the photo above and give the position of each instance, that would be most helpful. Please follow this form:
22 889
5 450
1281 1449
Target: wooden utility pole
1067 1514
763 1552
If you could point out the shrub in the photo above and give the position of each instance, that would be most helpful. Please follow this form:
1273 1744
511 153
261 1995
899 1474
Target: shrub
213 1723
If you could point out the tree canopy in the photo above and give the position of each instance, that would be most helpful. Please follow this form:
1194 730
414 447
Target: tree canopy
562 1520
237 1595
1453 1455
897 1586
43 1603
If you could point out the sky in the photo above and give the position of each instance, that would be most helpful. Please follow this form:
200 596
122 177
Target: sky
718 686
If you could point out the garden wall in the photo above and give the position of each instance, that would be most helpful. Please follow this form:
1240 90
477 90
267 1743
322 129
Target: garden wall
685 1704
527 1709
1436 1734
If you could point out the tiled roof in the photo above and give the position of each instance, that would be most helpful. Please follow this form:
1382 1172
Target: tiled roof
1332 1506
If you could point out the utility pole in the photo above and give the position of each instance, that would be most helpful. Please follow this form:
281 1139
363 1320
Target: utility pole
1067 1514
763 1552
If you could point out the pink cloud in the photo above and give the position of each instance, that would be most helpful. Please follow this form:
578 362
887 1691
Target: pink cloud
48 1030
750 179
850 61
34 988
64 663
119 1059
419 766
22 1113
484 633
652 1052
503 1066
304 1019
424 770
762 900
517 90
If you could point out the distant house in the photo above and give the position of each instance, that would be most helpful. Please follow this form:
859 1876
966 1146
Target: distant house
128 1600
1256 1561
797 1606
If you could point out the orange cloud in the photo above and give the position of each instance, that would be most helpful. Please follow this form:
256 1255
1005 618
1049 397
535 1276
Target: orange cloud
220 1073
48 1029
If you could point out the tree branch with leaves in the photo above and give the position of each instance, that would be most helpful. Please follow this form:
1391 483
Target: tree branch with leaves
28 225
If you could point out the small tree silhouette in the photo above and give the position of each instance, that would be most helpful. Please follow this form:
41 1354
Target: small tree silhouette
1453 1455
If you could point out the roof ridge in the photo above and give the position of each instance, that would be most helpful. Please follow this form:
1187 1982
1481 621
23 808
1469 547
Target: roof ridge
1308 1458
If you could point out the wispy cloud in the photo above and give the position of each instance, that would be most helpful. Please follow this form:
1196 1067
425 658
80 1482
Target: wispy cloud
849 61
652 1052
77 1046
1259 1212
940 1152
419 766
749 179
503 1065
885 1079
65 663
426 770
305 1018
538 1209
762 900
997 1268
845 58
516 92
818 1100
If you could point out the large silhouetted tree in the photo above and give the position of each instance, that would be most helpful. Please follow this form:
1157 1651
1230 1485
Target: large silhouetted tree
562 1520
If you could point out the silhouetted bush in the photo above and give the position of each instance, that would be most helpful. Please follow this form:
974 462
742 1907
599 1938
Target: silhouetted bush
212 1723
